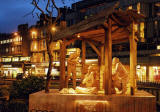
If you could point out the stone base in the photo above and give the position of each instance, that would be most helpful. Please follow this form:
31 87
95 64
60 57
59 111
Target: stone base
55 102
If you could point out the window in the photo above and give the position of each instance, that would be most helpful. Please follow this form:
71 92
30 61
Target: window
6 50
19 48
11 40
4 41
13 49
34 46
142 30
136 27
150 9
21 38
15 59
44 44
8 41
130 8
41 34
44 33
156 28
34 34
138 8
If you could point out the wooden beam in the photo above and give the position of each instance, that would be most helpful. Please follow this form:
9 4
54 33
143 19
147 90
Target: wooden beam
70 41
83 58
94 48
118 30
62 64
133 60
93 40
108 59
118 21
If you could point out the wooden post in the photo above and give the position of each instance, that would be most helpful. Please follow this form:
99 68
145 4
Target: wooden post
133 59
62 64
83 58
108 59
102 68
147 72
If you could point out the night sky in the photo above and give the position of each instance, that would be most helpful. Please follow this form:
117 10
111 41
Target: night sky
12 13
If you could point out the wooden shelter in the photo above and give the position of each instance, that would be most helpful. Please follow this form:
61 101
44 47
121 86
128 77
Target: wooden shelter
100 31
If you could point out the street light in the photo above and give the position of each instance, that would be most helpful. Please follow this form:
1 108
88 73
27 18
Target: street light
53 28
15 34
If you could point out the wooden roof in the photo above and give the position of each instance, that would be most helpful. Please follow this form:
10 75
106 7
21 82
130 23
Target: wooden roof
93 27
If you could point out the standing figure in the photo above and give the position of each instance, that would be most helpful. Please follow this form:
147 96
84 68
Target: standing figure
72 61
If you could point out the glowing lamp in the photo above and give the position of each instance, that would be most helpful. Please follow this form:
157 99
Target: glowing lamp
15 33
78 36
34 33
53 28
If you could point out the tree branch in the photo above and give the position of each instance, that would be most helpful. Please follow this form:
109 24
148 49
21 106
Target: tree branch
58 10
49 12
35 3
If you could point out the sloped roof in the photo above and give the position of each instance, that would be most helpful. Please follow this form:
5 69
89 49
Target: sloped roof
92 28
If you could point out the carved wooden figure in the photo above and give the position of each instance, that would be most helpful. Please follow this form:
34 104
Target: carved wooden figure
72 61
120 76
91 79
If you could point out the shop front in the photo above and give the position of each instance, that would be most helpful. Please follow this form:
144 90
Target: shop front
12 66
148 73
9 71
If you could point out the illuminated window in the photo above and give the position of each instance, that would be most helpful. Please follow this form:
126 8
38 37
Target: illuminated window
6 49
16 39
12 49
15 59
158 47
21 38
136 27
34 34
6 59
130 8
142 30
11 40
34 46
155 24
4 41
25 59
138 8
8 41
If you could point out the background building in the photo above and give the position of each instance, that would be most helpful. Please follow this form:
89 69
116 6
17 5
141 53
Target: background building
14 52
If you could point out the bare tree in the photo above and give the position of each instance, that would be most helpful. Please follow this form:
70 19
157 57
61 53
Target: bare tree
50 9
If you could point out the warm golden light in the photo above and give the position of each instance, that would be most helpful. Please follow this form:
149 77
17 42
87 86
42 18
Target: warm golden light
78 36
53 28
34 33
15 33
138 8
